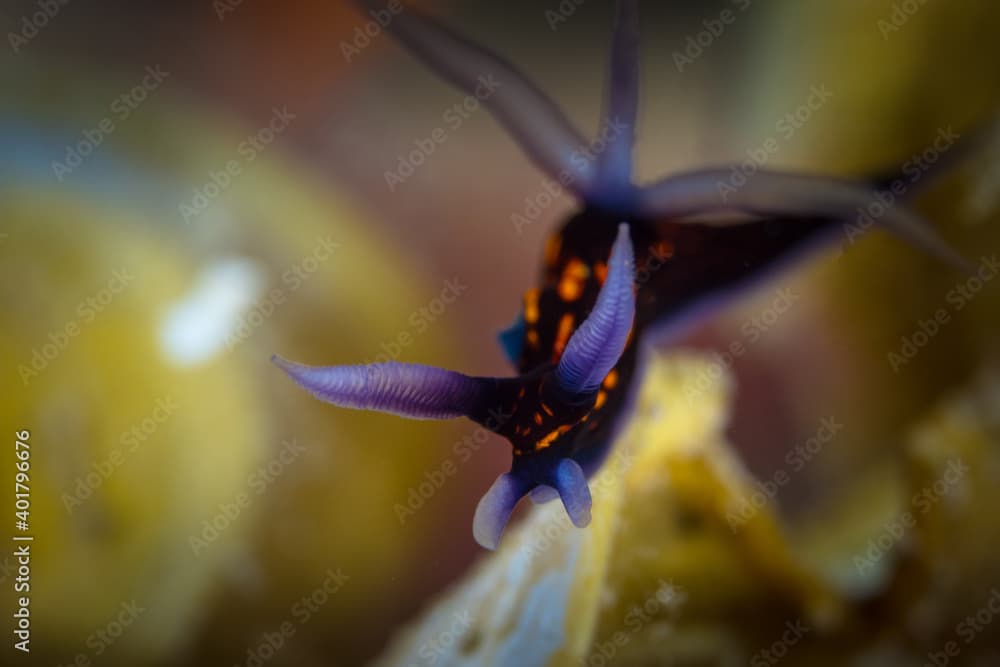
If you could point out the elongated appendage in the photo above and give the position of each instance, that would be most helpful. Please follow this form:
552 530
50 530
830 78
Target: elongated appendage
407 390
596 346
533 410
773 193
495 508
621 103
571 484
530 116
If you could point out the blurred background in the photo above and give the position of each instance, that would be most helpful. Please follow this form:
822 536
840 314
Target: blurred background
188 188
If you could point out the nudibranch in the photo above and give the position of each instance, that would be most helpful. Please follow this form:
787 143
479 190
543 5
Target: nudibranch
635 265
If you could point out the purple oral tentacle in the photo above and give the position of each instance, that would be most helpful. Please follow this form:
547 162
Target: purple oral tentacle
528 114
497 505
407 390
785 194
571 484
621 104
594 349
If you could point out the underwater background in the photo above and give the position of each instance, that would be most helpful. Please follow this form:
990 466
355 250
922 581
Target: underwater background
188 188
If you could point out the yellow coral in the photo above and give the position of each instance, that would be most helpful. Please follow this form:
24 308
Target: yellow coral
665 575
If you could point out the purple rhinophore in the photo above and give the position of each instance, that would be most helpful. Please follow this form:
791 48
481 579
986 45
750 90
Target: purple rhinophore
596 346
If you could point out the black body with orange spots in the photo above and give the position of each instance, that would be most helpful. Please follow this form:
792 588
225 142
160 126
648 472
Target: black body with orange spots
677 266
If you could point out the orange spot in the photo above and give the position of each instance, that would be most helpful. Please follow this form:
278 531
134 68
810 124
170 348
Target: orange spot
663 249
531 306
551 437
563 333
532 340
569 288
538 418
547 440
520 394
602 398
611 380
575 268
547 409
601 271
631 334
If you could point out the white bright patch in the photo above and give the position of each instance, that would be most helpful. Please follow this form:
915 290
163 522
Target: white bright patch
195 328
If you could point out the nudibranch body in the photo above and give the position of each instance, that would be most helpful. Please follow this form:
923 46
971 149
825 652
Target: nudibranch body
630 268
